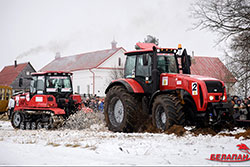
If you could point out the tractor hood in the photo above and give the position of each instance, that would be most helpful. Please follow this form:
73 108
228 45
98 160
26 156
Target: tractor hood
191 83
199 87
199 77
183 79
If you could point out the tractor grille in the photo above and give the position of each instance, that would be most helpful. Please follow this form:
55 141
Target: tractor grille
214 87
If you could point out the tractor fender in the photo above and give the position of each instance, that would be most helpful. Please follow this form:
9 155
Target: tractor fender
131 85
185 95
57 111
188 96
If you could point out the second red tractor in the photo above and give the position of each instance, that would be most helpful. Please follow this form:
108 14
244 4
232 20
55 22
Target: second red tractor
49 102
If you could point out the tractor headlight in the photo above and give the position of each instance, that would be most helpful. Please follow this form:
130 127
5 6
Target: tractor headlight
211 98
223 97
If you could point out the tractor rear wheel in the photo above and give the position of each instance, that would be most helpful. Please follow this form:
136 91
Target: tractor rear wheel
167 111
16 119
123 111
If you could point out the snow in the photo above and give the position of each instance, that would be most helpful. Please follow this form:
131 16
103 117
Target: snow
101 147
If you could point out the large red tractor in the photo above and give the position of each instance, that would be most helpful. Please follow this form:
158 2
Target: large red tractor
49 102
158 83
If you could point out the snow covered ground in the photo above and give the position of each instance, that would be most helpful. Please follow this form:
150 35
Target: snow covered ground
101 147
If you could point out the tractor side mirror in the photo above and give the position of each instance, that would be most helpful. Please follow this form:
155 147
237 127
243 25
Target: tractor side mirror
20 82
185 62
145 59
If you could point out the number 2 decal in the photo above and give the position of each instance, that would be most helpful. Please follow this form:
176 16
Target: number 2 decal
194 88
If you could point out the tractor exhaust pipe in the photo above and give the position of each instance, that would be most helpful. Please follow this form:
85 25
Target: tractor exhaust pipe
155 71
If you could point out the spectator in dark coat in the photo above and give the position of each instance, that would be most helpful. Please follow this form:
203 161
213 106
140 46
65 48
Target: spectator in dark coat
247 107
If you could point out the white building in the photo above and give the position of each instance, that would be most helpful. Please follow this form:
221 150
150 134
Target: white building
92 70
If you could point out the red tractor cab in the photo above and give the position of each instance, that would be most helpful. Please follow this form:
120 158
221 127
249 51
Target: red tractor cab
49 102
157 82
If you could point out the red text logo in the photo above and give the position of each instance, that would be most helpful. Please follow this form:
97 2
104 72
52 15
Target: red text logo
233 157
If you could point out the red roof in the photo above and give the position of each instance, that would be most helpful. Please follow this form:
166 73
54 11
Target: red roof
211 67
10 73
81 61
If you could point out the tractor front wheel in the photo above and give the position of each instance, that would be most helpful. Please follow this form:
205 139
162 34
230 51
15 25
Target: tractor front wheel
122 110
167 111
16 119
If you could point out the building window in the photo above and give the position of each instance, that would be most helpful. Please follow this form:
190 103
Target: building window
78 89
119 61
2 94
88 89
27 73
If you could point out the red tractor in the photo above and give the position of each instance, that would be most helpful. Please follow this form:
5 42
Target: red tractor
49 102
157 83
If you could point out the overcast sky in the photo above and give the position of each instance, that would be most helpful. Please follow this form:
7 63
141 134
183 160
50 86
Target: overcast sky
34 30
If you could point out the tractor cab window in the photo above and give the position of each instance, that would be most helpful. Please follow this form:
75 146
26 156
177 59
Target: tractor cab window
37 85
40 84
56 83
167 64
143 69
130 67
33 83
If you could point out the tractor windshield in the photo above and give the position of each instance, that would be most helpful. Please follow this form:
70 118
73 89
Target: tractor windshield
58 83
167 63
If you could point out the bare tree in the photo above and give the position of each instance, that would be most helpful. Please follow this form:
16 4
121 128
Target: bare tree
231 20
239 62
116 74
227 17
149 39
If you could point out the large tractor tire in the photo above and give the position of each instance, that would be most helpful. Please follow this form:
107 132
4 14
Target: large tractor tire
122 110
167 111
190 111
16 119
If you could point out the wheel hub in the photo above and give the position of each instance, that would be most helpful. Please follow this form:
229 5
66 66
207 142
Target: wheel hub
17 119
163 117
118 111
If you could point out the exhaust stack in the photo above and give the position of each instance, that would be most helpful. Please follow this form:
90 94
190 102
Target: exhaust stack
15 63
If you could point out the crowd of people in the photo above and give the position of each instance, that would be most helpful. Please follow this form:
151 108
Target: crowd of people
239 103
95 103
241 107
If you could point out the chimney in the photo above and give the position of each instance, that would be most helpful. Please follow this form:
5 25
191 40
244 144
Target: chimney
15 63
193 59
58 55
113 44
